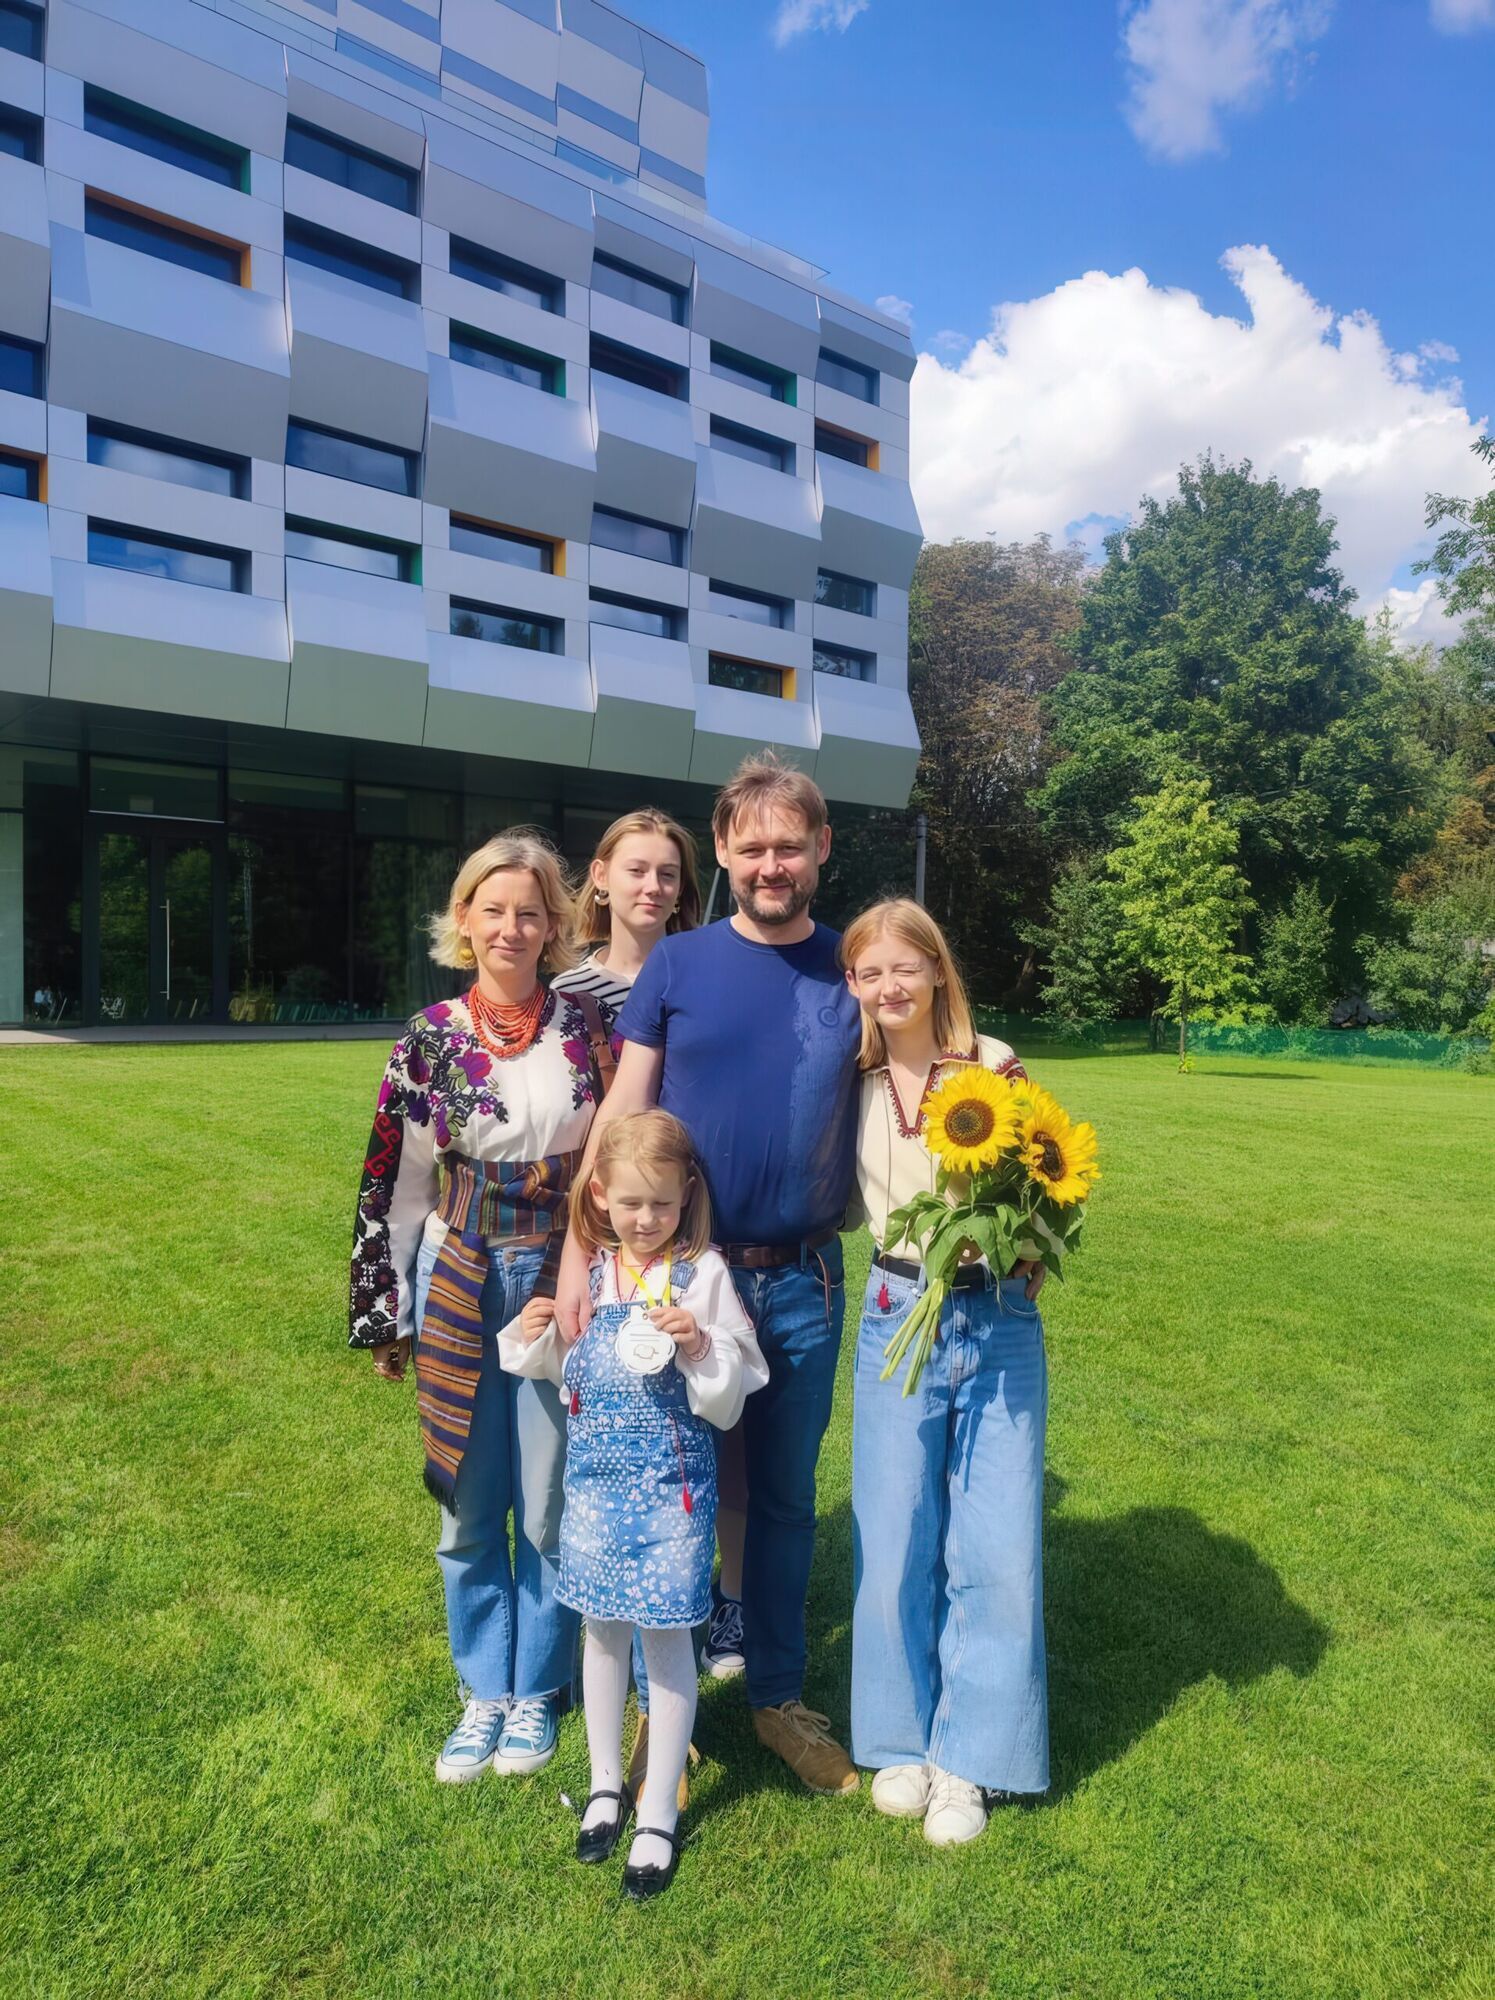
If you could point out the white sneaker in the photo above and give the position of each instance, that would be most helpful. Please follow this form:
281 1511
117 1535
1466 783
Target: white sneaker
957 1809
901 1790
468 1752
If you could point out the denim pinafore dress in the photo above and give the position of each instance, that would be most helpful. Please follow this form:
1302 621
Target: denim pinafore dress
638 1531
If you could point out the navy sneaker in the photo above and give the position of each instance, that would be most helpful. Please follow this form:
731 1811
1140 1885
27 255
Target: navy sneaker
721 1655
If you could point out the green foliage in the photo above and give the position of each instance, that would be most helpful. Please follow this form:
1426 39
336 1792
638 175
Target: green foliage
1220 636
1434 976
1183 901
1091 974
1464 559
1297 953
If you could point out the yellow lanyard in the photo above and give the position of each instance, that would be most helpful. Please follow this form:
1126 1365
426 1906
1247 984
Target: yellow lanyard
641 1284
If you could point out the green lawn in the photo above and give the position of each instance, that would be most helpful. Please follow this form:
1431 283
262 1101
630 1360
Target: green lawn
223 1673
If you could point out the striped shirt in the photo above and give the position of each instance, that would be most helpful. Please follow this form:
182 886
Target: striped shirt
609 989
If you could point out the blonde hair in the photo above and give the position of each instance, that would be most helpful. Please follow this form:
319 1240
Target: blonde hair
519 848
592 923
954 1027
762 782
651 1140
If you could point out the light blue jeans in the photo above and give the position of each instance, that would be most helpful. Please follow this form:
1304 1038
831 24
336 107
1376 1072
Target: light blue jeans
508 1634
947 1654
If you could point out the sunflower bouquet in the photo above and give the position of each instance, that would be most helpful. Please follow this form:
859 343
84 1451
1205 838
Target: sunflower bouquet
1012 1178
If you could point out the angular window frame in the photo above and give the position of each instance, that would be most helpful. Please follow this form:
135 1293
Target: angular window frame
238 560
31 474
867 609
405 478
28 35
32 351
550 632
353 156
671 617
26 129
506 275
753 447
837 371
543 546
780 609
761 377
675 543
631 285
159 137
406 554
845 445
631 364
851 663
345 257
234 485
726 670
110 220
506 356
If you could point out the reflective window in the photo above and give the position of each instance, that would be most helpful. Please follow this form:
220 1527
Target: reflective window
22 366
638 288
163 240
646 371
750 374
167 556
757 447
856 451
842 660
339 160
20 478
397 882
631 535
161 791
146 131
503 357
325 250
836 372
20 134
21 29
846 593
167 459
339 456
754 605
502 274
505 628
747 675
345 548
477 538
634 614
45 783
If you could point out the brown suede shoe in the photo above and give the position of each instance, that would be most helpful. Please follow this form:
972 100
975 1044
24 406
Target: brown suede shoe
803 1739
638 1766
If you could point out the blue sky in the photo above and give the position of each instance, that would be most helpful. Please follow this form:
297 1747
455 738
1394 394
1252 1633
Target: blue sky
961 154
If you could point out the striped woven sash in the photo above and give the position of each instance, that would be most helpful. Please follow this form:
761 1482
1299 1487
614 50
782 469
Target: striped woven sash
481 1199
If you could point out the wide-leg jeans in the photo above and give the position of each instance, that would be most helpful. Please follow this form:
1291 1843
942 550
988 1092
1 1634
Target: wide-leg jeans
948 1660
508 1634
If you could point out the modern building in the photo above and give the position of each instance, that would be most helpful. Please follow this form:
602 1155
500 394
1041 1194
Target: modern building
392 448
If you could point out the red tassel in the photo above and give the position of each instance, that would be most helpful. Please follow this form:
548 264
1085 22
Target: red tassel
686 1500
576 1402
884 1299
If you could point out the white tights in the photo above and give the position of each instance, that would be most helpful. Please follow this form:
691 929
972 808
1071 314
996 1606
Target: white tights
671 1660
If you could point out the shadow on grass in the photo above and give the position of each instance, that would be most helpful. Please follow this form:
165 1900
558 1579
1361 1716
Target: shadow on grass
1139 1607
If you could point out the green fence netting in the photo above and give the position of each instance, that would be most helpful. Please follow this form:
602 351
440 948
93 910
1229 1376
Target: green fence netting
1355 1045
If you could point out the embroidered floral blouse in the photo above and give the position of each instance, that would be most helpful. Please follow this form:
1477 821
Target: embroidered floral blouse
893 1163
444 1093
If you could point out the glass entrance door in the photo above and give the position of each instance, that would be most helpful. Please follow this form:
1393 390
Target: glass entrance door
160 921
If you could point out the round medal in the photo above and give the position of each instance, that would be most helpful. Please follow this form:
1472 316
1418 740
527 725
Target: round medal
641 1347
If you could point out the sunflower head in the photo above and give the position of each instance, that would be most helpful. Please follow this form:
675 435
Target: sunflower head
970 1121
1060 1156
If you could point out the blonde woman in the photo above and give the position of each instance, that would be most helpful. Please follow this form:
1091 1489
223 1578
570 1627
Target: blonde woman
485 1106
949 1696
641 886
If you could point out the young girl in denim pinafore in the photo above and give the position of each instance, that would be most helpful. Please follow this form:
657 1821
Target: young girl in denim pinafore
949 1699
667 1353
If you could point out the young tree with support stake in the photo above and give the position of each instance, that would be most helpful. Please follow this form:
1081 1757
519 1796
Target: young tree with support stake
1182 900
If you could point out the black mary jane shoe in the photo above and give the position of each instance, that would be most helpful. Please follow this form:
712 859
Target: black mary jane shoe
640 1883
596 1843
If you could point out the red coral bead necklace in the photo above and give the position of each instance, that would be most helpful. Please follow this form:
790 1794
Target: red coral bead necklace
505 1032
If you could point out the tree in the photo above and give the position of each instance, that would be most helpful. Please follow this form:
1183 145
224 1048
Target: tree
1435 976
1296 955
1183 900
1464 559
1219 636
988 623
1091 976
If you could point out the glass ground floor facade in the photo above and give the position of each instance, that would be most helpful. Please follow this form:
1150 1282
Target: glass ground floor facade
158 873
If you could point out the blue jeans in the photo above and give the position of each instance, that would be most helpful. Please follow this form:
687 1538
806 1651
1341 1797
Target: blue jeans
947 1653
508 1634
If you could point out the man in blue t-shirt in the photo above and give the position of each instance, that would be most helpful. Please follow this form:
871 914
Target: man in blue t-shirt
746 1031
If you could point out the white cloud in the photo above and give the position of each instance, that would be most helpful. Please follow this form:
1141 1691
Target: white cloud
1192 60
801 17
897 308
1078 402
1463 17
1419 616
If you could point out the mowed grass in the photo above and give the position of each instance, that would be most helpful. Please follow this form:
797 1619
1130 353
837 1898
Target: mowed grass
223 1671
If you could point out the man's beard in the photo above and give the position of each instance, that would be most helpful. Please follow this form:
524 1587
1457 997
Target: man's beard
777 913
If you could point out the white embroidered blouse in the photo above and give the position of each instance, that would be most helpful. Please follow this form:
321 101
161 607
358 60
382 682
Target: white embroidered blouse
443 1092
716 1386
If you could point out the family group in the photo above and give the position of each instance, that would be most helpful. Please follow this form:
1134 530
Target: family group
601 1212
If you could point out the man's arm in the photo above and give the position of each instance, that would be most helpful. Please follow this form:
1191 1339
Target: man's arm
635 1087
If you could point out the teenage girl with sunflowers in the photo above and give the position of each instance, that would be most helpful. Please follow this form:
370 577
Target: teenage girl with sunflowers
949 1697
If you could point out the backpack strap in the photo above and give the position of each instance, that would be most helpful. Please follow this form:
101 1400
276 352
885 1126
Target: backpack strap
604 1062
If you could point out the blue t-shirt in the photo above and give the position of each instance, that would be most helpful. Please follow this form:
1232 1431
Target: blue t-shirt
760 1063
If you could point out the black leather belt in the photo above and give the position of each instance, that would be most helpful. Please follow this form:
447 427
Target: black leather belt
772 1256
968 1278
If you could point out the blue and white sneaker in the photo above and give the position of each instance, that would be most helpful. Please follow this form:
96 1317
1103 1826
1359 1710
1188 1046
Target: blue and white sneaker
722 1655
468 1751
529 1735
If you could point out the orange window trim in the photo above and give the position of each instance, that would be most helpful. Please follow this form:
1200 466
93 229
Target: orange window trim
175 222
557 545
